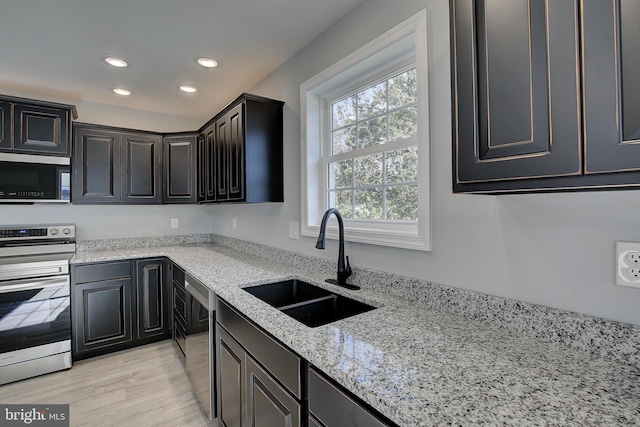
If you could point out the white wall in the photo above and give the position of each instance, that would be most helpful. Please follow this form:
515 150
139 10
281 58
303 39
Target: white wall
550 249
103 221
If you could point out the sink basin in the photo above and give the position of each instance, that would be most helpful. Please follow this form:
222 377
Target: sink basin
283 294
330 309
307 303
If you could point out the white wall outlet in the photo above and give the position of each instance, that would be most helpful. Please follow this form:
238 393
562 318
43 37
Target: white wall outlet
234 224
175 223
293 230
628 264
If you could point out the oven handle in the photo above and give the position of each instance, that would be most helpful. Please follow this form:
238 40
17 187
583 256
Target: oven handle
31 284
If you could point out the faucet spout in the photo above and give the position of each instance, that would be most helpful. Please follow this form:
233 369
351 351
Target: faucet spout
344 269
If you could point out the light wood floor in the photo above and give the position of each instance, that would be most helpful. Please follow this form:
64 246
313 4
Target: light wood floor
144 386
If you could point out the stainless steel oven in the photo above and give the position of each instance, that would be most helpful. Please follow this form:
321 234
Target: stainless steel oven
35 310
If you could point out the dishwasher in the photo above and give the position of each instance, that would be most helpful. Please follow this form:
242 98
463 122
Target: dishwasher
199 341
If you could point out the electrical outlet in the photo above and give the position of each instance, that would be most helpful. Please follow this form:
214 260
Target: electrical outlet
175 223
628 264
234 224
293 230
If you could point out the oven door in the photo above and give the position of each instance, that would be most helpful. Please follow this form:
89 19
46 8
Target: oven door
34 312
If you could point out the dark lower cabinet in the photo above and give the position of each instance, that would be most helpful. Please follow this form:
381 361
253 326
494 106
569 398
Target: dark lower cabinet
115 306
259 380
331 406
153 298
545 95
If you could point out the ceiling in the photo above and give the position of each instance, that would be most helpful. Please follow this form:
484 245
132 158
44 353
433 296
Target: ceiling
57 48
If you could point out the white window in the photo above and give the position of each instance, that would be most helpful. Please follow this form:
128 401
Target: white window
365 141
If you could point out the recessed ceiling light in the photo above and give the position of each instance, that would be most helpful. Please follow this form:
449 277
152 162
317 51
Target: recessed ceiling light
116 62
188 89
208 62
122 92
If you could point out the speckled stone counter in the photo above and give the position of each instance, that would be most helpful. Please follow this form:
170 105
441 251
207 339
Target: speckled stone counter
417 365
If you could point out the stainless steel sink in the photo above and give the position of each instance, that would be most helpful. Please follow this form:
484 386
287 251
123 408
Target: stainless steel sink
307 303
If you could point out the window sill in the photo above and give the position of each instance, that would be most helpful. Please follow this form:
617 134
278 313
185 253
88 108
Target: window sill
396 239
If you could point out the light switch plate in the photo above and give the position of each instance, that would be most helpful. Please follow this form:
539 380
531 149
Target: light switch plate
628 264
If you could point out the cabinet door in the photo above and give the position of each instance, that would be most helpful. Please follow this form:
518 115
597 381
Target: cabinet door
96 166
102 314
221 158
267 404
40 130
236 152
333 407
229 378
202 167
5 126
153 298
516 90
141 168
611 42
179 169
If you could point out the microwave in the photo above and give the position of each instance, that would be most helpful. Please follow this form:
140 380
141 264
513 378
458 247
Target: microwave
26 178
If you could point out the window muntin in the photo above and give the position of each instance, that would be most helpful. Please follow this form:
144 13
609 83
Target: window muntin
373 165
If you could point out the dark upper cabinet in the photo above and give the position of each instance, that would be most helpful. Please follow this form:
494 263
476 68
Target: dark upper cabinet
96 165
153 297
112 166
35 127
141 168
242 151
206 165
533 112
611 43
179 169
5 125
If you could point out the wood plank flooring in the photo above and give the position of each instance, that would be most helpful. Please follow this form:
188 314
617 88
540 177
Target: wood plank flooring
144 386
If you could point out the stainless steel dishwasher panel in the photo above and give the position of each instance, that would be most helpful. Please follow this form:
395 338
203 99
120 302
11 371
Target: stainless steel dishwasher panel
199 354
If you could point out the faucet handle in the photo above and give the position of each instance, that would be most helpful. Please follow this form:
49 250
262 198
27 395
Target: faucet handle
347 268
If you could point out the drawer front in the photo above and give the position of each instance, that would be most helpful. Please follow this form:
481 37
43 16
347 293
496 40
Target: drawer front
180 338
332 406
279 360
102 271
178 276
179 305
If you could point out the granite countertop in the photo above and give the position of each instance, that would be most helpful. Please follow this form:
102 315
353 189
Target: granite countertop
419 366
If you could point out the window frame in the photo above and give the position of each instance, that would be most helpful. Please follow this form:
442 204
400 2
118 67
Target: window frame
395 50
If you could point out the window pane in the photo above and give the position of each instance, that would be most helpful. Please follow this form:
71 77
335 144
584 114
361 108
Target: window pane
368 203
341 174
403 123
342 201
368 170
372 101
344 140
402 202
402 165
403 89
344 112
372 132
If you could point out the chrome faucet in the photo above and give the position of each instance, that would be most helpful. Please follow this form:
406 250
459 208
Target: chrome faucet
344 269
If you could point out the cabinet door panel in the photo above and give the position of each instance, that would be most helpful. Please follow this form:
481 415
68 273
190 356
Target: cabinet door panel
179 169
212 166
153 313
102 314
236 153
40 130
268 404
96 170
5 125
222 159
230 388
611 34
141 159
516 104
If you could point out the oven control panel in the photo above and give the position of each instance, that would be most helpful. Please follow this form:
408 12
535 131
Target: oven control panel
63 232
